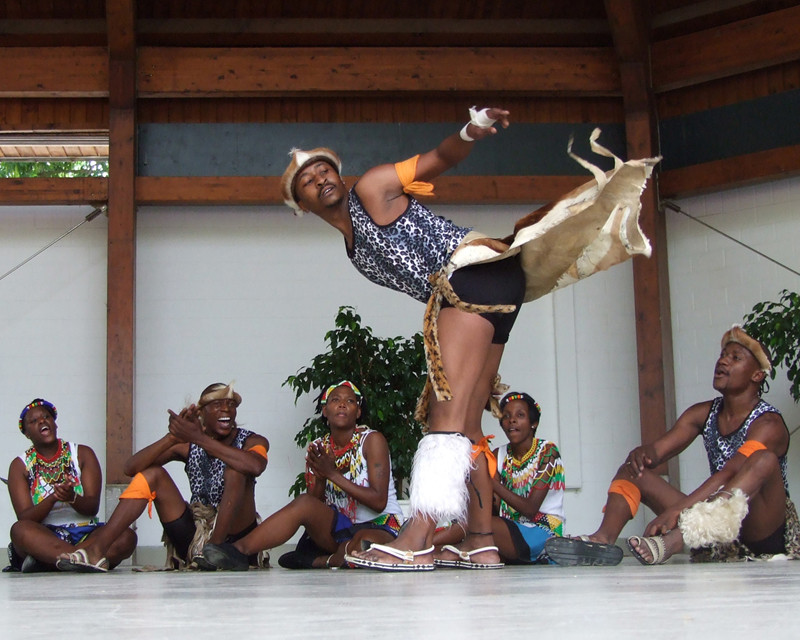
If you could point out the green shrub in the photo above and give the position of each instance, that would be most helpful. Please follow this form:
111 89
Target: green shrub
777 325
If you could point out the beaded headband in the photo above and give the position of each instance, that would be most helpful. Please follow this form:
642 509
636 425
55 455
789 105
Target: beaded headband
516 395
343 383
39 402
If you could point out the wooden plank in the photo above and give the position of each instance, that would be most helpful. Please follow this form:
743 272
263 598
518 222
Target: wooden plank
266 190
191 72
650 277
51 191
121 278
53 72
756 43
731 172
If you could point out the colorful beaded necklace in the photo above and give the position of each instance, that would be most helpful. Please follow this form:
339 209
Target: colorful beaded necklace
519 463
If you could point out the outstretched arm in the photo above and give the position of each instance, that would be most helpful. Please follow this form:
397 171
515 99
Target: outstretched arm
380 187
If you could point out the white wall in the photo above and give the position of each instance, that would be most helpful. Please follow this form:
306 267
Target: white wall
52 328
247 294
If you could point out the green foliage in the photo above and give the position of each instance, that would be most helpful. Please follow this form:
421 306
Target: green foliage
777 325
59 169
390 372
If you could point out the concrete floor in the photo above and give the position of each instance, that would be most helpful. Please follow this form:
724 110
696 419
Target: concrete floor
676 600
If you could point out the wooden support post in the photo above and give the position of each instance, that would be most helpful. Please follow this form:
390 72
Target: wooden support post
650 277
121 237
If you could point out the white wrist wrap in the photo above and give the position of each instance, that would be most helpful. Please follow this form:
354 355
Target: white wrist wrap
479 119
464 135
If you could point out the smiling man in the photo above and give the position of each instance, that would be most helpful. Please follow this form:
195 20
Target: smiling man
222 463
742 509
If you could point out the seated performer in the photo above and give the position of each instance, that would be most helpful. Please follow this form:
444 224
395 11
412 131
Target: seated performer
528 491
351 495
55 490
222 463
745 501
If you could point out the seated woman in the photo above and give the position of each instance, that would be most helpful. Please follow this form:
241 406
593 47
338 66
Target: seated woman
55 491
222 461
351 495
528 492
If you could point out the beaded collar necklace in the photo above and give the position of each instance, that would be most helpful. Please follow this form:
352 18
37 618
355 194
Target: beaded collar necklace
53 470
525 458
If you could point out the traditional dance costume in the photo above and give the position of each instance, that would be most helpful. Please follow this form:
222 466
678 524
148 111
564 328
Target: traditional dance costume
351 515
189 533
63 520
588 230
698 521
539 469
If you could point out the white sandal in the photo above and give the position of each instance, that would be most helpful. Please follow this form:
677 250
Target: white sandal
407 558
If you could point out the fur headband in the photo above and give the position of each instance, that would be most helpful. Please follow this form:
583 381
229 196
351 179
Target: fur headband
736 334
219 391
300 160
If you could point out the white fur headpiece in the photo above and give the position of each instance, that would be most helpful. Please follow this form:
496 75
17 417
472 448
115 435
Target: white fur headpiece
300 160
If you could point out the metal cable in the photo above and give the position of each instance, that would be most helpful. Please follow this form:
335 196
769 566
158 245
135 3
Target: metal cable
88 218
667 204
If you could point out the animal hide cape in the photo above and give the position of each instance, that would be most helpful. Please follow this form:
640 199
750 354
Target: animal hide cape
590 229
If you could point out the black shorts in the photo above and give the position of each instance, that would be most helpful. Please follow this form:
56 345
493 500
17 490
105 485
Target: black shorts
772 544
500 282
181 532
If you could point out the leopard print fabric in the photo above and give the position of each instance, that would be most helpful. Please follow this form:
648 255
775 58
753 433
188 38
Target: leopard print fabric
403 254
721 448
207 473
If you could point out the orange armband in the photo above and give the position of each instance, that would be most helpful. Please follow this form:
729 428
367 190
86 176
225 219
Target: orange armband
260 449
407 171
139 489
629 491
750 447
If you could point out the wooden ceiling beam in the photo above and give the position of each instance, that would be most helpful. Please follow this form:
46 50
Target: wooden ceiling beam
53 191
764 41
266 190
365 26
58 72
225 72
732 172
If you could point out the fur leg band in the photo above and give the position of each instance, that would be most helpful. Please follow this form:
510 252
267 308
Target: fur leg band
717 520
439 477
